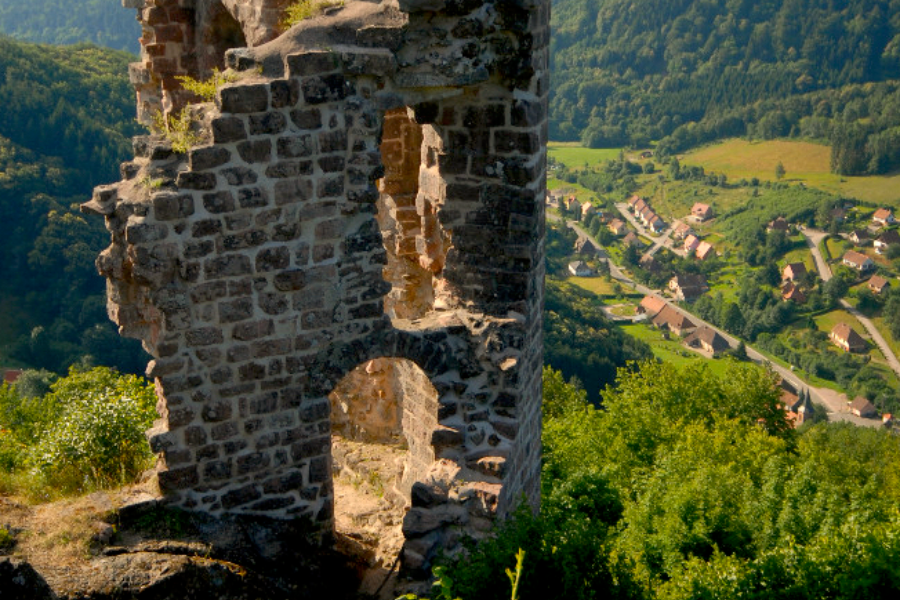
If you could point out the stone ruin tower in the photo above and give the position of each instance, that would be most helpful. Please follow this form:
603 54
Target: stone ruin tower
360 210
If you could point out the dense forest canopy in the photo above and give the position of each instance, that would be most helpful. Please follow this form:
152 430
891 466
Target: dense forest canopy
631 72
68 114
102 22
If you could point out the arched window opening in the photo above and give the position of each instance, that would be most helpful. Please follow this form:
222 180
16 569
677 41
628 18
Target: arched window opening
221 32
400 218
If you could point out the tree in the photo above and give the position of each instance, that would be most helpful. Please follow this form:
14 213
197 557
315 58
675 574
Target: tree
779 171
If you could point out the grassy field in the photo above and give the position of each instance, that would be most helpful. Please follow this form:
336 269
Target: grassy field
575 156
805 162
672 350
801 255
602 286
826 322
673 200
580 192
837 247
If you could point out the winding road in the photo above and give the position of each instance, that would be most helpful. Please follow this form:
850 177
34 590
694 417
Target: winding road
813 238
835 403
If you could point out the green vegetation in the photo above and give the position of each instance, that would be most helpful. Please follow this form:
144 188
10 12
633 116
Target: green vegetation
178 129
581 342
688 72
673 491
305 9
54 146
101 22
206 90
807 163
86 433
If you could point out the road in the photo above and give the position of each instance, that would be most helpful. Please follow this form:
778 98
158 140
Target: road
813 238
835 403
659 241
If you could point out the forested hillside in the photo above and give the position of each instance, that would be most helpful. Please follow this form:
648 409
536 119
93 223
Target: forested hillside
630 72
102 22
68 114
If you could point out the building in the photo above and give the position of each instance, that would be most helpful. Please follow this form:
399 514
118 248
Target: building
838 215
858 261
656 224
701 211
799 409
671 319
584 246
859 237
791 292
705 250
884 216
845 337
650 264
708 340
690 243
587 209
580 269
861 407
886 240
779 224
681 231
632 239
646 215
877 284
617 226
651 306
794 272
688 286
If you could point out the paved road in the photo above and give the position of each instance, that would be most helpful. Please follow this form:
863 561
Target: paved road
658 240
835 403
813 237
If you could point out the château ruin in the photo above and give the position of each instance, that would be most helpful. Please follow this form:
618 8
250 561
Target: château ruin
359 210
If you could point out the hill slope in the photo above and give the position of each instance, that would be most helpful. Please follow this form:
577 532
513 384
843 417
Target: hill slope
67 118
628 71
102 22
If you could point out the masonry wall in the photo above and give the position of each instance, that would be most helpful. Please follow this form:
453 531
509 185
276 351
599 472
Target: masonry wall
352 203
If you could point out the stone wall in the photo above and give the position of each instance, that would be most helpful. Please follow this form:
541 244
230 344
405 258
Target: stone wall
376 196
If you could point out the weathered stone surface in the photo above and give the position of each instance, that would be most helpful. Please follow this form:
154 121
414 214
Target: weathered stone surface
348 209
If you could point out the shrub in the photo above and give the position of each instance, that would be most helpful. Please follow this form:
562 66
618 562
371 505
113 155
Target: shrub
98 440
305 9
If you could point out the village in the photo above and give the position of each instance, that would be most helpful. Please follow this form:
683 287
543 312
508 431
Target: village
656 274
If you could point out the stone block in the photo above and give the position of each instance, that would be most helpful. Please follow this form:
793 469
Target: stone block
168 206
219 202
267 124
235 310
241 496
208 157
227 266
239 176
252 198
179 479
228 129
284 93
251 331
244 98
191 180
325 88
312 63
307 118
255 151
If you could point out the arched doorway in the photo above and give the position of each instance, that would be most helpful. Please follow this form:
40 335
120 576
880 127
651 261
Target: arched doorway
381 414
